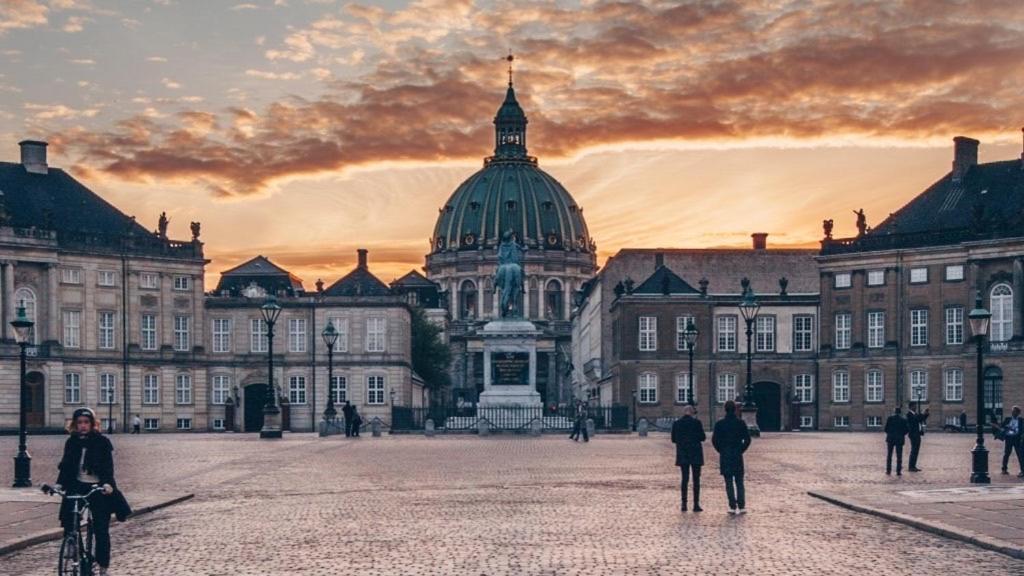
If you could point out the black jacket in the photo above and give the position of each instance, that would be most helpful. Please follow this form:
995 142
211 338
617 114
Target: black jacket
731 439
99 461
896 429
1006 428
687 435
915 422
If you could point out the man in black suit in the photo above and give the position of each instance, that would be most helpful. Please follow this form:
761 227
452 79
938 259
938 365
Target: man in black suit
895 432
915 429
1012 433
348 412
731 439
687 435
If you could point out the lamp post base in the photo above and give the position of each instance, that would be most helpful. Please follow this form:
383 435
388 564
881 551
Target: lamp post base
749 415
22 470
271 424
979 468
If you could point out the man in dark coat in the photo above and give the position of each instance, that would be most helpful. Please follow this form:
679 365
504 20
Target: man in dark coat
1012 433
348 411
915 429
895 433
687 435
731 439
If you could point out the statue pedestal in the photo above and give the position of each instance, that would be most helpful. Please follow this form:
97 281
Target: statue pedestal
510 363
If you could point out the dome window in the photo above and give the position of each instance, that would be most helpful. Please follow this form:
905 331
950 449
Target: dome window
468 240
474 205
548 205
510 205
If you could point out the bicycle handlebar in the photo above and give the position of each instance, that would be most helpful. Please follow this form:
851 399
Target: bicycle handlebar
50 490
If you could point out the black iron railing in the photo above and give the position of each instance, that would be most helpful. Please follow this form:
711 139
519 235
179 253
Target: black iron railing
508 418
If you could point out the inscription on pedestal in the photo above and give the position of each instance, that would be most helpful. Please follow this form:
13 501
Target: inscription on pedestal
510 368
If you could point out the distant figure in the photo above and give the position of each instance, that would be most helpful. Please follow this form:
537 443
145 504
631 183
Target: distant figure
1012 433
862 222
687 435
915 429
357 422
731 439
348 411
161 226
963 421
895 435
579 423
827 226
136 425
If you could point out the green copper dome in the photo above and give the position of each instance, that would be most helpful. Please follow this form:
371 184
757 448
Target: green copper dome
511 193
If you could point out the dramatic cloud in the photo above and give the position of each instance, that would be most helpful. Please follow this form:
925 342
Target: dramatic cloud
21 14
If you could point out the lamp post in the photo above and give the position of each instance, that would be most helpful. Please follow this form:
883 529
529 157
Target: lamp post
748 309
330 335
979 320
691 340
22 462
271 310
634 409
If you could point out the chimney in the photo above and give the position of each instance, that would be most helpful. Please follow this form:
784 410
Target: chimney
659 260
33 156
965 155
760 240
362 258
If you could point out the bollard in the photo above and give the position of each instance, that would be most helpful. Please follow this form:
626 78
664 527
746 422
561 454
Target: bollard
536 427
590 427
428 428
641 427
483 427
375 428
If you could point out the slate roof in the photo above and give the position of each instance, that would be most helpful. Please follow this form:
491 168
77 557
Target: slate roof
359 282
262 272
663 282
413 279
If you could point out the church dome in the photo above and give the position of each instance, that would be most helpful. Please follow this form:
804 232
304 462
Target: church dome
511 193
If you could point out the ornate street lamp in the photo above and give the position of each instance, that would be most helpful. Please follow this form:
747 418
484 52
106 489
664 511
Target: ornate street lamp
979 319
330 336
22 462
271 310
634 409
749 309
690 336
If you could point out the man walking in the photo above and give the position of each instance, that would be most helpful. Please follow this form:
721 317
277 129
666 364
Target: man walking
1012 432
347 411
136 425
895 433
915 429
687 435
579 425
731 439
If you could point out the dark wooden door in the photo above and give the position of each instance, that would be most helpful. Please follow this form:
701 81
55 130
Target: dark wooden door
35 400
768 397
255 398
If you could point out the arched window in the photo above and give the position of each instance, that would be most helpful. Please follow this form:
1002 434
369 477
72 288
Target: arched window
26 298
993 392
467 300
1001 304
553 305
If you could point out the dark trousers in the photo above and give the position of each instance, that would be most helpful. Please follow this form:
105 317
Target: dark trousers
686 471
915 449
575 434
734 491
135 428
100 507
1011 444
898 449
348 427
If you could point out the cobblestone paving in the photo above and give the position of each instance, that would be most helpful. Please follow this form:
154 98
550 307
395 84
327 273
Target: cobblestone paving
509 505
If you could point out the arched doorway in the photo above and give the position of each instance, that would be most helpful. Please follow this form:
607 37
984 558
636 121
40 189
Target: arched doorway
994 393
35 400
255 398
768 397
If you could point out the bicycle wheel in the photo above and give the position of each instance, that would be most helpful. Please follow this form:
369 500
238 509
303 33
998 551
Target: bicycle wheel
69 562
89 551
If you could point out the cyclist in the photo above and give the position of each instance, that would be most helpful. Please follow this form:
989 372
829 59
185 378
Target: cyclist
88 459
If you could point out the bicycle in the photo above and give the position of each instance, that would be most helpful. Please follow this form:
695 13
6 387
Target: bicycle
76 553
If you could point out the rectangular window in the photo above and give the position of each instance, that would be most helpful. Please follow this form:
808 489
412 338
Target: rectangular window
218 423
182 283
919 327
876 329
955 325
764 334
726 333
257 335
647 339
375 390
341 326
807 421
151 423
918 275
843 330
843 280
726 388
184 423
220 390
72 388
71 275
954 272
107 389
683 388
297 389
296 334
108 425
106 278
841 421
918 386
72 329
105 325
803 333
149 281
874 386
376 333
954 385
803 388
148 332
876 277
648 388
222 335
873 421
339 388
682 322
182 335
183 389
840 386
151 389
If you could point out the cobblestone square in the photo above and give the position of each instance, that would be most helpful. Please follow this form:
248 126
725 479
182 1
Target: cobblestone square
510 505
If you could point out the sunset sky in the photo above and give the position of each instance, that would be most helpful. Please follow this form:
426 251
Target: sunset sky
303 129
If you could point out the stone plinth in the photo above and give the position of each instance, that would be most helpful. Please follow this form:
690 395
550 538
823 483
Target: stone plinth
510 363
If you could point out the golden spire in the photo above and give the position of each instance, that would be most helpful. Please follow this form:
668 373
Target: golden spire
510 58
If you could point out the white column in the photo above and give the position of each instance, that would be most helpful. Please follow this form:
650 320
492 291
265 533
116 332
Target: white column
566 303
480 297
453 299
9 305
526 299
541 283
52 303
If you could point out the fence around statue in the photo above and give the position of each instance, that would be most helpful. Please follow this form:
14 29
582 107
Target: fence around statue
507 418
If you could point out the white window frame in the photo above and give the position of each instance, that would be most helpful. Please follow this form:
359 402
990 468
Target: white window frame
183 389
183 423
339 388
150 423
841 421
803 388
647 333
918 381
876 277
919 275
876 329
764 334
151 389
71 276
220 389
1001 306
807 422
953 384
107 389
843 279
182 283
725 388
106 278
72 320
954 272
954 325
874 385
182 333
258 340
376 334
149 281
296 389
72 388
682 388
873 421
221 335
148 329
375 386
105 330
841 387
647 388
725 331
919 327
218 424
681 323
341 327
844 330
297 335
803 336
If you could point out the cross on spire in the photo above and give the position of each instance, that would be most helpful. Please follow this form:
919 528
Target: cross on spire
510 59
